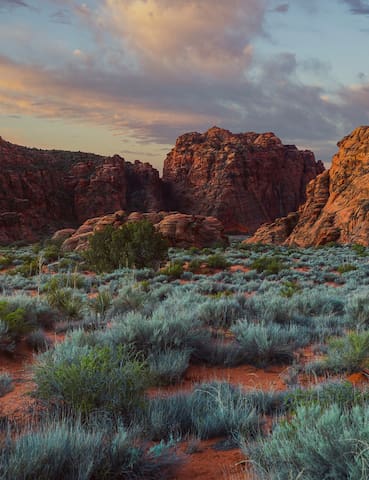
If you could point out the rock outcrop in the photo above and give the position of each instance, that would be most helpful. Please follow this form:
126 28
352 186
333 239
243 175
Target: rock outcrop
243 179
179 229
337 206
41 191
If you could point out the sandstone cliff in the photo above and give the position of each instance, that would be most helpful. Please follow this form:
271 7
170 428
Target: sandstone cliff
243 179
179 229
337 206
41 191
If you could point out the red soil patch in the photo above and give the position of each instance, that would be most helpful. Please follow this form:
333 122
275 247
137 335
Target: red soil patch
239 268
302 269
245 375
16 403
358 379
211 464
333 284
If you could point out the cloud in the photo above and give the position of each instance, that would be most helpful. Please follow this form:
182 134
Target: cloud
11 4
210 37
358 7
61 16
282 8
155 69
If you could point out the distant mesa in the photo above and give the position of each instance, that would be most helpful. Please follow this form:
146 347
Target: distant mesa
243 179
337 205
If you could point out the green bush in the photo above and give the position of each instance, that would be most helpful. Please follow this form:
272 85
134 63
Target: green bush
269 265
101 304
173 270
6 261
360 250
195 265
217 261
135 244
346 267
349 354
66 301
89 378
14 320
31 266
289 288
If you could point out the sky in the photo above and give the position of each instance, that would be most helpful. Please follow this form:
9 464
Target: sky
130 76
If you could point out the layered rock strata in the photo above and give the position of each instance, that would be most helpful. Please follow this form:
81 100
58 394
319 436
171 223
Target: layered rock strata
243 179
337 205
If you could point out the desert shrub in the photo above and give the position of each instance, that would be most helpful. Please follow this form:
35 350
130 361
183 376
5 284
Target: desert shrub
211 410
70 280
217 261
14 319
67 301
6 384
195 265
264 344
6 261
289 288
268 265
222 311
341 393
90 378
38 341
350 353
52 252
67 449
31 266
173 270
134 244
318 443
360 250
130 298
101 304
346 267
168 366
7 342
357 311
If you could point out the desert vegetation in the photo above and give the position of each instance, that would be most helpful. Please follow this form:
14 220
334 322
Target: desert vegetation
106 345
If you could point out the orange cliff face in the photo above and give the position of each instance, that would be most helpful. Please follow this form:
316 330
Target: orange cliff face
243 179
337 206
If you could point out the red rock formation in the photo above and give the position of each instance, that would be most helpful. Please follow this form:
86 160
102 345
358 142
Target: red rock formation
243 179
41 191
179 229
337 206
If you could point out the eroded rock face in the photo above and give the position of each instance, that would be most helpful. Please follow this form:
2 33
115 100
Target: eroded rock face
41 191
243 179
179 229
337 206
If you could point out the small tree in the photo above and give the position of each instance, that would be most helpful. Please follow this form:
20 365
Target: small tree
135 244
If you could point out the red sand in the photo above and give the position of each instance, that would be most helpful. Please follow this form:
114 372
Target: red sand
210 464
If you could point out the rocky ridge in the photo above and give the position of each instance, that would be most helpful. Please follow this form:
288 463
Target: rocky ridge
42 191
179 229
243 179
337 205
